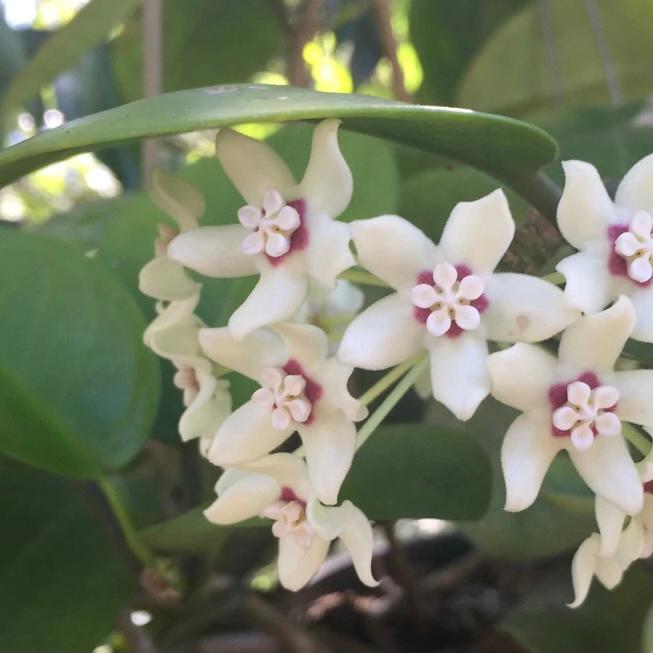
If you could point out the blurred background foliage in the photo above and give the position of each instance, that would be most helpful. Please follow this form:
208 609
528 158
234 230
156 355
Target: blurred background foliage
581 69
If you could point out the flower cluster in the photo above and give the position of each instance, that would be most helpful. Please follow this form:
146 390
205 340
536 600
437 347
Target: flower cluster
299 335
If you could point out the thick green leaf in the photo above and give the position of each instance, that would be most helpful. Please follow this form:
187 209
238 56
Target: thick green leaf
204 42
65 47
509 150
12 54
609 621
529 65
62 580
418 470
78 390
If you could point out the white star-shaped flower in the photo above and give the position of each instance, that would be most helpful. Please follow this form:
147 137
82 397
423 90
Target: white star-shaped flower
162 278
302 389
575 402
286 232
449 300
613 238
277 487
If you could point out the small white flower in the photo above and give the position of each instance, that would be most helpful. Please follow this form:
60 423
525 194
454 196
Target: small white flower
449 300
302 390
277 487
163 278
286 233
576 402
613 238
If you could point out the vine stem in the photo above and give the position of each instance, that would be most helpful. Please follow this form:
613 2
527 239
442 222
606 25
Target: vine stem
142 552
388 379
356 275
391 400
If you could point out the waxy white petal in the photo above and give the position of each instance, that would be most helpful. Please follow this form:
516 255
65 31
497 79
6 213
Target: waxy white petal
260 349
610 520
328 251
479 233
358 538
246 497
214 251
276 297
595 342
245 435
287 469
635 396
165 279
252 166
383 335
610 472
330 442
521 376
327 184
305 342
208 409
526 454
177 198
588 283
643 302
334 377
585 209
586 564
296 564
635 191
459 373
393 249
525 308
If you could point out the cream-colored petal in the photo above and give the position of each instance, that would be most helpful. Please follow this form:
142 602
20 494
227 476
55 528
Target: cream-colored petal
246 497
287 469
383 335
327 184
245 435
177 198
526 454
165 279
214 251
328 251
525 308
393 249
358 538
595 341
631 544
642 299
459 373
610 520
306 343
521 376
583 567
479 233
276 297
588 283
333 377
260 349
252 165
208 409
635 396
585 209
635 191
329 441
298 565
610 472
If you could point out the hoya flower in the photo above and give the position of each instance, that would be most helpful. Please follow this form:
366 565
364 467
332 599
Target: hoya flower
277 487
286 232
449 300
575 402
613 238
163 278
173 335
323 305
302 389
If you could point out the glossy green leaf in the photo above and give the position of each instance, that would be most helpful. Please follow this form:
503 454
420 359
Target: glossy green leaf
610 621
509 150
204 42
535 61
78 390
62 579
12 54
418 470
65 47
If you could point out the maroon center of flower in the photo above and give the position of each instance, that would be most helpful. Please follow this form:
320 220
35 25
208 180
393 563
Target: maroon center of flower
558 398
648 487
288 495
617 264
300 237
312 391
422 314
